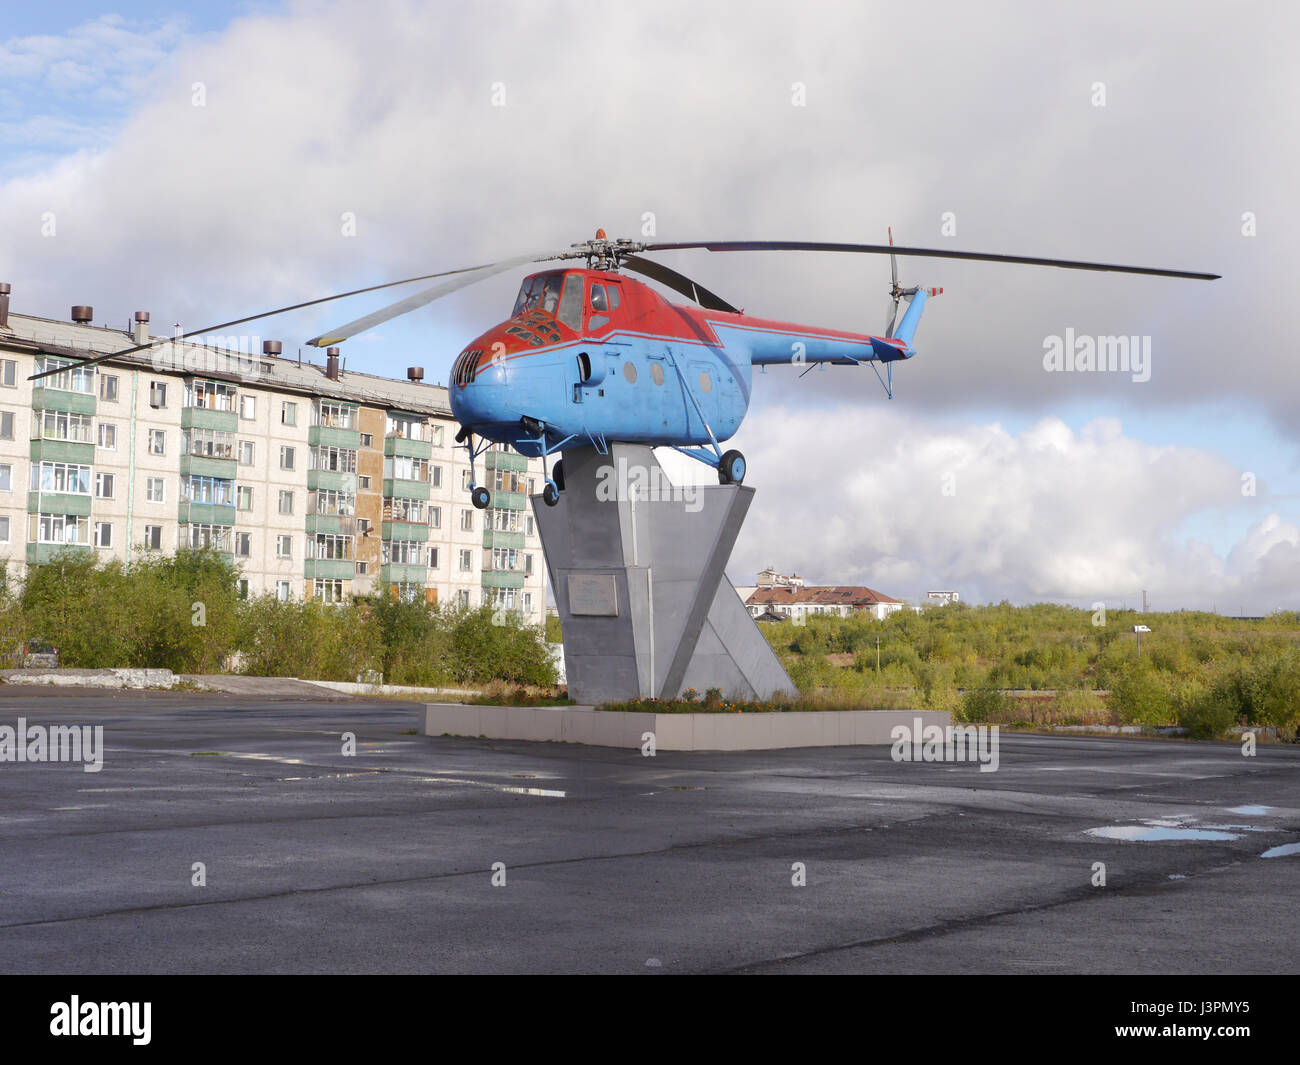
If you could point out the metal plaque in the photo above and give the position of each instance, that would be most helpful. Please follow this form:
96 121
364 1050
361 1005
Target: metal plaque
594 594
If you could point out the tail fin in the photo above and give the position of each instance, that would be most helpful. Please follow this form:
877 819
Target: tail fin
916 298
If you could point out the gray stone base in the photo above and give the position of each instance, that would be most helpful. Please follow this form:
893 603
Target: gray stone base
675 732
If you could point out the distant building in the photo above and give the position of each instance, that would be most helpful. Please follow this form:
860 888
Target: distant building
797 602
943 598
769 578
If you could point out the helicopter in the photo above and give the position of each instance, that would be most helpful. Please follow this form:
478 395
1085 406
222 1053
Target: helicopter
590 356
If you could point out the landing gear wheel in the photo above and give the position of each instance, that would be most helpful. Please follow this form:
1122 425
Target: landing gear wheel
557 475
480 497
731 470
550 494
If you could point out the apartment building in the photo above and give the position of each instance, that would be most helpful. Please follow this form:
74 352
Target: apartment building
316 481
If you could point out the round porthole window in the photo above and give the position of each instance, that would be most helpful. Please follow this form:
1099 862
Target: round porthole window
629 371
656 373
706 382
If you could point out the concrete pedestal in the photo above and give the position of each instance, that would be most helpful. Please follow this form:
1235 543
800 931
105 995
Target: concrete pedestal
637 566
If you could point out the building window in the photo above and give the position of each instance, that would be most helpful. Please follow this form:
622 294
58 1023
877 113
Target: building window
435 476
8 373
4 529
335 415
433 558
466 561
284 547
334 459
528 565
528 602
363 526
210 395
157 394
286 502
247 407
104 485
157 442
462 599
467 520
464 480
530 525
437 436
243 544
363 482
246 452
153 537
288 413
244 497
108 388
108 436
103 534
61 477
6 477
215 537
210 443
72 376
331 547
367 440
60 425
330 591
282 591
155 490
363 568
286 458
242 584
6 425
435 517
214 490
62 529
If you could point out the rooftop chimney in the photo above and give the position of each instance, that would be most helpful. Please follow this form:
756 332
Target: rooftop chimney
332 363
272 347
415 373
5 289
142 327
83 315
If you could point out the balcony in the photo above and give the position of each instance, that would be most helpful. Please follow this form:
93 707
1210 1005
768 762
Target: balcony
505 460
227 421
205 513
331 436
329 568
338 524
503 579
209 466
329 480
56 399
38 554
395 487
404 446
404 530
397 573
493 538
509 500
73 451
58 503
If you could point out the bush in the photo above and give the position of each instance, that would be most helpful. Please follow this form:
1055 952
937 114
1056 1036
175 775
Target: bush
985 705
1138 698
1206 718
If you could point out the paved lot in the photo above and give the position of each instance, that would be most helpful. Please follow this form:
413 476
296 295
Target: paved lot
318 862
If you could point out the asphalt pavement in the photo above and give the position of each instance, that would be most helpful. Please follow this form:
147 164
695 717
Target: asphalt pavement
427 854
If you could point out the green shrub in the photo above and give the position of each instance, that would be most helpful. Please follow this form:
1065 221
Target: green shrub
985 705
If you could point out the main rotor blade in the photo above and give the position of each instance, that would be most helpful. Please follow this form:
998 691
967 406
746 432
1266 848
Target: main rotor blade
411 303
928 253
670 278
254 318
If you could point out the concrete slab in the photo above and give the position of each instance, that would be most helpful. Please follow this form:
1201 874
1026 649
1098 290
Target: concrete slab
677 732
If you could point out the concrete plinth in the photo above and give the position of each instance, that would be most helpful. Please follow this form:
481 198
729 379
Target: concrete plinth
637 566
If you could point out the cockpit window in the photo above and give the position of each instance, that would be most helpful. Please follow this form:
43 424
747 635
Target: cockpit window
541 292
570 312
598 302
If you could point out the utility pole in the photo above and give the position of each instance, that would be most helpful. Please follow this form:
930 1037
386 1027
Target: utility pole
877 653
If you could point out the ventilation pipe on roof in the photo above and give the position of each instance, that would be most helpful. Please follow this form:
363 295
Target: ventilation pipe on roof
83 315
5 289
142 327
272 347
332 363
415 374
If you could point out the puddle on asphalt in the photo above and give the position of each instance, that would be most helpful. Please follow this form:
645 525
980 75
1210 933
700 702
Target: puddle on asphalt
548 793
1284 851
1249 811
1147 833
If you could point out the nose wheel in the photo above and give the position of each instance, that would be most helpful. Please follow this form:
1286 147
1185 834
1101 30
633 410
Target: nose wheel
550 493
480 497
731 468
